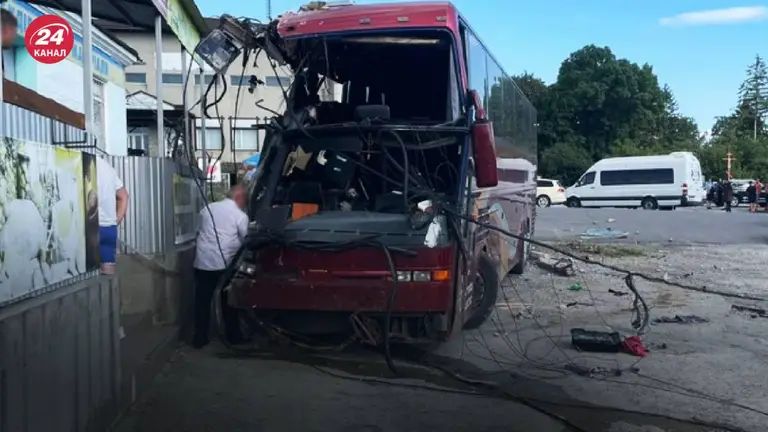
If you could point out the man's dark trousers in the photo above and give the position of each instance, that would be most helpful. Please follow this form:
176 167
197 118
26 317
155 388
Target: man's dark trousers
205 285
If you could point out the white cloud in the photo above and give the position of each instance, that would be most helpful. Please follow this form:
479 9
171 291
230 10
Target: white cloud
717 16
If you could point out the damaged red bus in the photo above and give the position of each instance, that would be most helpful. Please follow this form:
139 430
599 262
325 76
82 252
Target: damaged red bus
400 130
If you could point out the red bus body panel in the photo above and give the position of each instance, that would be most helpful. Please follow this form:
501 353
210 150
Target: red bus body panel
357 280
392 16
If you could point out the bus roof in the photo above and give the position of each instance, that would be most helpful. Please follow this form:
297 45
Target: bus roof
330 19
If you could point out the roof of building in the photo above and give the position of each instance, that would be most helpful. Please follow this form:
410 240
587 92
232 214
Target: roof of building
135 13
141 100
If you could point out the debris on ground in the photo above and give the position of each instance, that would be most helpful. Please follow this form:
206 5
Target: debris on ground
572 304
680 319
755 312
634 345
607 250
617 293
591 371
603 233
658 346
561 266
517 310
595 341
575 287
611 220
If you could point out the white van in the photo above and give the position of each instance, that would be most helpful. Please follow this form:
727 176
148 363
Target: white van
649 182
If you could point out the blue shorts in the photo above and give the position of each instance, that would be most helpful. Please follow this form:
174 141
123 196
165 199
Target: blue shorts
108 244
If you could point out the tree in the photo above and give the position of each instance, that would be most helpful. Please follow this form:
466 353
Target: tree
753 93
566 161
535 89
600 106
743 132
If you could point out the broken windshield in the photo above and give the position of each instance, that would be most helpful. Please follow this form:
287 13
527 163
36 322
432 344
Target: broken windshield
410 76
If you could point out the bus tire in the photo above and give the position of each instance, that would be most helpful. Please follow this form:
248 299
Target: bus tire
649 203
523 252
486 285
573 203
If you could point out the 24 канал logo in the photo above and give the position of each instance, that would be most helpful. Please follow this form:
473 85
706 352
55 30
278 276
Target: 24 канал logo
49 39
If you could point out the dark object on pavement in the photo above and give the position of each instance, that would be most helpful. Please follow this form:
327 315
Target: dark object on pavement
603 234
595 341
634 345
617 293
587 371
755 311
681 319
561 267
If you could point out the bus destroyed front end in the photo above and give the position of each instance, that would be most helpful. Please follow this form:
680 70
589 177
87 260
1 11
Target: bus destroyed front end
346 236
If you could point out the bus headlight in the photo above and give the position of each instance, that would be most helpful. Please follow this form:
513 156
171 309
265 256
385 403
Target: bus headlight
247 268
422 276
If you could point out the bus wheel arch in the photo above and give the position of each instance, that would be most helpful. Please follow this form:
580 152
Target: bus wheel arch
486 285
523 249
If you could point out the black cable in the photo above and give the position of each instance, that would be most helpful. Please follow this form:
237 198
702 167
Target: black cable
390 304
246 56
210 213
406 202
617 269
188 141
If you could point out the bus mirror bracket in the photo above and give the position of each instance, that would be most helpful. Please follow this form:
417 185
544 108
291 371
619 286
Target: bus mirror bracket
483 145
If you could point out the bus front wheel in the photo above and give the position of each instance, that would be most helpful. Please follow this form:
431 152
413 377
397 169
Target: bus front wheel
485 290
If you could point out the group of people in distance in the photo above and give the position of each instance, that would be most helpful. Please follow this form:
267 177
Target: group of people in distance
723 194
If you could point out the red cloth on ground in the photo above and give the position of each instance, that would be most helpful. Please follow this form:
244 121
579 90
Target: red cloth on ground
634 345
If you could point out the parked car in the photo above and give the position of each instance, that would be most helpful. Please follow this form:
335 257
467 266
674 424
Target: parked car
650 182
740 197
549 192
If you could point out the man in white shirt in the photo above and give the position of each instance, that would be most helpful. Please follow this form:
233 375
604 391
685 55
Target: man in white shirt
113 205
223 227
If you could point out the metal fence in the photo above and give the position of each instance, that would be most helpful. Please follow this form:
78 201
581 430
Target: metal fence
163 205
26 125
149 221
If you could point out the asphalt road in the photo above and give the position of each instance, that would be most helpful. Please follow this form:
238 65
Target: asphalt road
214 390
695 225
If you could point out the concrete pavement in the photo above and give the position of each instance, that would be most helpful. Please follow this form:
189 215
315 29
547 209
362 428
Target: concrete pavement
523 349
211 390
684 226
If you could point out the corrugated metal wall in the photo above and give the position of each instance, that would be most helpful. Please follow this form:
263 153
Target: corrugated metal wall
59 360
148 228
26 125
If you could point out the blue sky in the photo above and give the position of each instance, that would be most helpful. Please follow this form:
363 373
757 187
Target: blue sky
701 48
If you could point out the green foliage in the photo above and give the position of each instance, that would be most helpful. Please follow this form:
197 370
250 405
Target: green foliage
603 106
743 132
568 160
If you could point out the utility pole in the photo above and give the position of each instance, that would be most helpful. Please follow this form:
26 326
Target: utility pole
728 160
757 101
269 10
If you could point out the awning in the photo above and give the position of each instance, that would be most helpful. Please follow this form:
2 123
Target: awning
182 16
252 160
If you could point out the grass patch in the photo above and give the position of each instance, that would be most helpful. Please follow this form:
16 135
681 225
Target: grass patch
606 250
